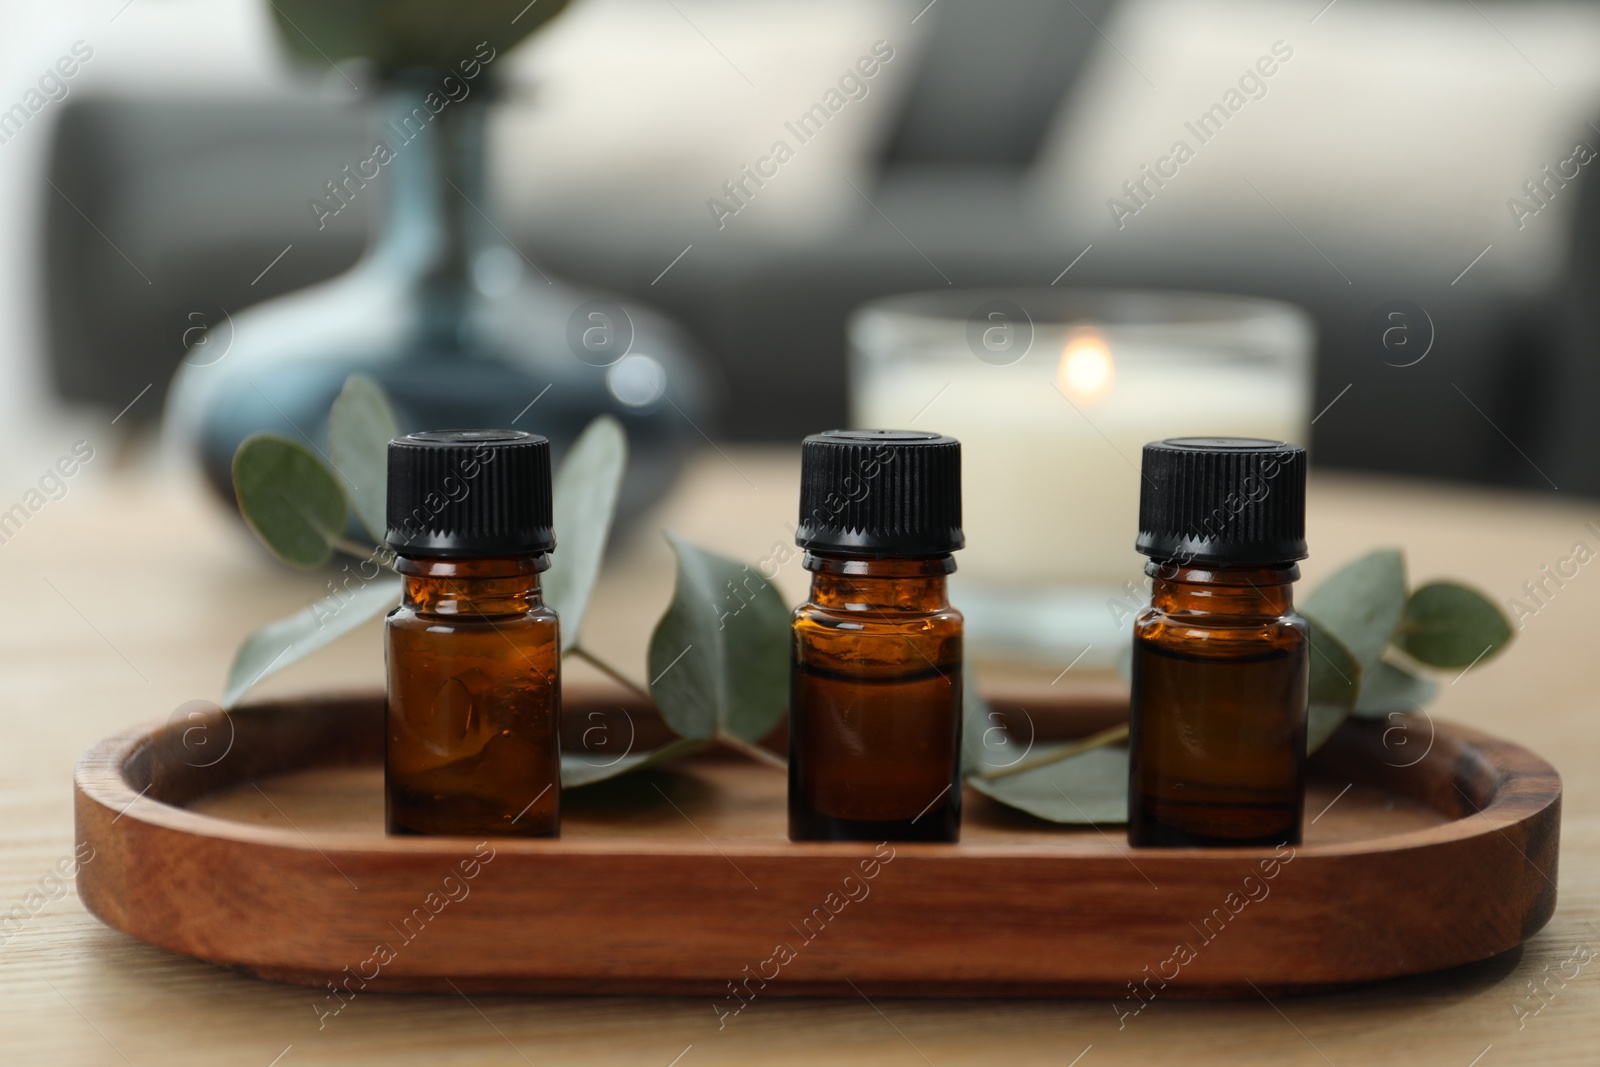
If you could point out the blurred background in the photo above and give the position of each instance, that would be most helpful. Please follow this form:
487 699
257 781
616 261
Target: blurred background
179 162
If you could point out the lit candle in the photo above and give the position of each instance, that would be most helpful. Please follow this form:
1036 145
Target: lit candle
1051 442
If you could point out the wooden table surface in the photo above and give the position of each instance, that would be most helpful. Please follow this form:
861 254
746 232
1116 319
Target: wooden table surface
131 593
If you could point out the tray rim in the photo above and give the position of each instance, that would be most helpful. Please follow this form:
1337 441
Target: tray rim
146 889
1533 786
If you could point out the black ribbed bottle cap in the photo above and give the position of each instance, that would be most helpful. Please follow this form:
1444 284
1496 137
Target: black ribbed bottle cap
470 494
880 493
1223 500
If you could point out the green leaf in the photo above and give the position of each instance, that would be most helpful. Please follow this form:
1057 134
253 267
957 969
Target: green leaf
586 491
278 644
292 502
1361 602
1091 789
719 657
360 427
1449 625
985 743
1335 679
404 37
579 769
1388 689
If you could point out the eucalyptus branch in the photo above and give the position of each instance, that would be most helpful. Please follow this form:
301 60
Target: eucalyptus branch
755 752
744 748
352 548
610 672
1109 736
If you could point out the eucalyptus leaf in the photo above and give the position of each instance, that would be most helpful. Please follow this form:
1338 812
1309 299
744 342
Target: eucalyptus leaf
1361 602
278 644
1091 789
405 35
586 489
1449 625
1335 680
289 498
360 427
1388 689
985 742
719 657
581 769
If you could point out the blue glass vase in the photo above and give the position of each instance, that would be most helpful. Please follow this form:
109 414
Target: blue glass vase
444 311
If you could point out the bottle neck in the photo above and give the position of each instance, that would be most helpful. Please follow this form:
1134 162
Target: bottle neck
1213 589
852 584
472 586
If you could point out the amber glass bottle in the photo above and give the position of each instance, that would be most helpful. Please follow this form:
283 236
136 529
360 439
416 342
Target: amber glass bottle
1220 658
474 687
875 696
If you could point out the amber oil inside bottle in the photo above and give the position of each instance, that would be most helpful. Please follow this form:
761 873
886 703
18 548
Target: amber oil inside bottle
1218 733
474 707
875 703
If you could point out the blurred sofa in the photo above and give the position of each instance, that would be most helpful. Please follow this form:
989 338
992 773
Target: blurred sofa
205 194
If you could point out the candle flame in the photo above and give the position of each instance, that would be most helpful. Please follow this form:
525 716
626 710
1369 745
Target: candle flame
1086 371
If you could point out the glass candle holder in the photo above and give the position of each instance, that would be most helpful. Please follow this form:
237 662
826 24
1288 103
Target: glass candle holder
1053 393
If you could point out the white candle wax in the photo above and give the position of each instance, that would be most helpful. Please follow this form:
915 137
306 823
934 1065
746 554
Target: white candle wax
1050 459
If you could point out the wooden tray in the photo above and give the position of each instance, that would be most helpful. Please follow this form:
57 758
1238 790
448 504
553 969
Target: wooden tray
272 859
